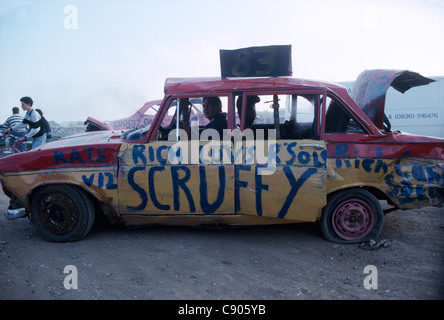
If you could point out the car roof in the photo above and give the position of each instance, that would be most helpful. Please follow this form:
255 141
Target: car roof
216 85
219 84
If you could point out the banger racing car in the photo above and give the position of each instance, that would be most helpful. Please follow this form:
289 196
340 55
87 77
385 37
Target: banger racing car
317 154
145 116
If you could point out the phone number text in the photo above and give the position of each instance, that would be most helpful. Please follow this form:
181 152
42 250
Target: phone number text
406 116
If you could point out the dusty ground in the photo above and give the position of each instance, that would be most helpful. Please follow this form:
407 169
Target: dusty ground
276 262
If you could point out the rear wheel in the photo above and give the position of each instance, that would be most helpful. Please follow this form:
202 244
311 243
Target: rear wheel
351 216
62 213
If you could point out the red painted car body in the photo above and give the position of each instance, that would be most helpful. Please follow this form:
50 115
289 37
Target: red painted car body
141 118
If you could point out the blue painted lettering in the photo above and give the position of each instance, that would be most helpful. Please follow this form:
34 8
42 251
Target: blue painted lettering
137 188
101 158
304 157
110 185
259 188
367 163
88 181
295 186
159 154
291 152
341 149
381 165
59 157
152 191
181 183
138 153
239 184
205 205
100 180
89 154
75 156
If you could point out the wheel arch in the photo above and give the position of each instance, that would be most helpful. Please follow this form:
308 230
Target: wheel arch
378 193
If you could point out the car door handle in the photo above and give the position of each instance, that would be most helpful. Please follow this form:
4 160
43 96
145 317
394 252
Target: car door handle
313 145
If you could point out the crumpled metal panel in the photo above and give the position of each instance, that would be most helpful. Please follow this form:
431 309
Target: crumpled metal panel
370 88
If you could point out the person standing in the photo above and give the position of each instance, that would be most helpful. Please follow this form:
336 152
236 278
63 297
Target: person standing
12 120
46 125
33 120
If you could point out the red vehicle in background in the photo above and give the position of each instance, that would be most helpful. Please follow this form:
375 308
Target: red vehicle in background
146 114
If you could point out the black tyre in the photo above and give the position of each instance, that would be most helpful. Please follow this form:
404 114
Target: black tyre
351 216
62 213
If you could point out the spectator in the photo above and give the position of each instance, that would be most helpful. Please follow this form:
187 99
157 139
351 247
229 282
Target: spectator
12 120
45 125
33 119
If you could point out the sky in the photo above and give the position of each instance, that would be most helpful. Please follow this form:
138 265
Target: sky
106 58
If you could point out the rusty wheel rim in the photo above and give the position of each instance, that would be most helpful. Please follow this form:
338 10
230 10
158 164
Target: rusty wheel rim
58 213
353 219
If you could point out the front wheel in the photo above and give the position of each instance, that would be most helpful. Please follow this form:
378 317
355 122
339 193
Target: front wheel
352 216
62 213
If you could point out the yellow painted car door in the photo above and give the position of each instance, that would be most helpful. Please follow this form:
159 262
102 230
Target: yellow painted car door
151 184
294 189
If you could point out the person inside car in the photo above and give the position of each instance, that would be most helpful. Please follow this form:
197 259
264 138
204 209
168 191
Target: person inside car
212 109
250 112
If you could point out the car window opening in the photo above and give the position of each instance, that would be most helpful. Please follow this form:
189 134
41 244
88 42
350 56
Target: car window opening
339 120
292 116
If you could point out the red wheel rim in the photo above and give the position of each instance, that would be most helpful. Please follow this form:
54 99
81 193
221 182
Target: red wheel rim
353 219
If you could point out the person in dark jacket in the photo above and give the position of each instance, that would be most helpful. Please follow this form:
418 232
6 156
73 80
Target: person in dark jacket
212 109
45 125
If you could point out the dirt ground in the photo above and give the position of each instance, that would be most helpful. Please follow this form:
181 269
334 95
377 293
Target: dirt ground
273 262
